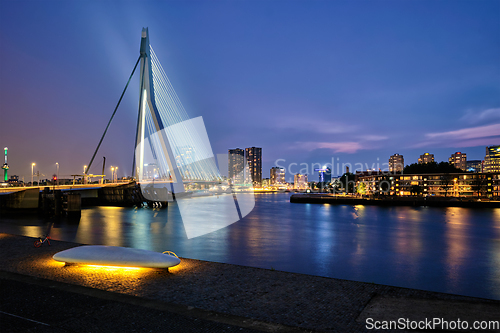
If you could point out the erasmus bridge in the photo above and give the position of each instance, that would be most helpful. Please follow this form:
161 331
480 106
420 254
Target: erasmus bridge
170 147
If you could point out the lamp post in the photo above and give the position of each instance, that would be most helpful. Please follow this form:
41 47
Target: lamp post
116 174
32 165
112 174
84 174
57 173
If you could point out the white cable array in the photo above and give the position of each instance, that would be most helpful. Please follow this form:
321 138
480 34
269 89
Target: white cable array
192 154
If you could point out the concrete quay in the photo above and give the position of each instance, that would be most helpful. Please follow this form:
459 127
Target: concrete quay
39 294
325 198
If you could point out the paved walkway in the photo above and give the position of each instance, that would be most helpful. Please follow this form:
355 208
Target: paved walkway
200 296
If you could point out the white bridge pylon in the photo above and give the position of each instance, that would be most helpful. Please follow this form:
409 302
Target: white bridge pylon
170 147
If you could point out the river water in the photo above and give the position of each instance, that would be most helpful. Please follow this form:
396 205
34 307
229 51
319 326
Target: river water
452 250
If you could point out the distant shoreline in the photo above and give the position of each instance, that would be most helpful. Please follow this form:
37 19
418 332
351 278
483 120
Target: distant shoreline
393 201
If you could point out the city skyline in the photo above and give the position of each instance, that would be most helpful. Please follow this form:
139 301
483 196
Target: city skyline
321 80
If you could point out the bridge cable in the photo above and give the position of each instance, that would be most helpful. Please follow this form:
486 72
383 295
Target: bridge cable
116 108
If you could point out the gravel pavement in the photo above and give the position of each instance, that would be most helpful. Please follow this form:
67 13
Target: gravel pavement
202 293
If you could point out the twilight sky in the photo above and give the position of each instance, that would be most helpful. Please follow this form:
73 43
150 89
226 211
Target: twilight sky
308 81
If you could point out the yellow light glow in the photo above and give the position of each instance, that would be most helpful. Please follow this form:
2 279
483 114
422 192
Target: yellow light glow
115 267
174 269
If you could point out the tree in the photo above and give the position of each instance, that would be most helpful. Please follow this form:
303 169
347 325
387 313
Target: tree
478 184
416 189
431 167
347 182
361 188
384 185
446 180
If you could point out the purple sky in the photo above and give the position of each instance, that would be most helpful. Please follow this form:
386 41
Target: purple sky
307 81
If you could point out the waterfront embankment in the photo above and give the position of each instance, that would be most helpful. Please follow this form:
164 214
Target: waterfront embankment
200 292
324 198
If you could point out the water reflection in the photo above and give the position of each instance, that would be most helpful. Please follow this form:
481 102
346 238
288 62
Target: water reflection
454 250
456 239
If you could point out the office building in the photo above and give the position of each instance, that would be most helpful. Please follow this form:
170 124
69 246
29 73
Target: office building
396 163
492 159
253 156
266 182
475 166
459 160
236 161
277 176
300 182
324 175
426 158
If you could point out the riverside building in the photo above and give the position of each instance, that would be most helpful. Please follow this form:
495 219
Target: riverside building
277 176
475 166
459 160
300 182
236 160
492 159
435 184
426 158
396 163
253 156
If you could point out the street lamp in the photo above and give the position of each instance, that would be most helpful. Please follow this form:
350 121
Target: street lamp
116 173
84 178
112 174
32 165
57 173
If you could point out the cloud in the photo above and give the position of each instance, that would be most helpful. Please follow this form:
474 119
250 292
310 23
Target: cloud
315 125
465 137
350 147
371 137
468 133
336 147
477 117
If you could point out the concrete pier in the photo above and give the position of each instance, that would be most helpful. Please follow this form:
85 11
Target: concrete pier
68 199
206 297
323 198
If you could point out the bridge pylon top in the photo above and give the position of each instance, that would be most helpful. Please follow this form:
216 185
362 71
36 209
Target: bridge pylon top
145 42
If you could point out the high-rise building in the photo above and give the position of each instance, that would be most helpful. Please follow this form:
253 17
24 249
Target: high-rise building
277 176
324 175
426 158
253 156
299 181
396 163
492 159
459 160
475 166
236 159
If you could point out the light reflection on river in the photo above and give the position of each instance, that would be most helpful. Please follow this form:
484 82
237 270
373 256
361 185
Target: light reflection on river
454 250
